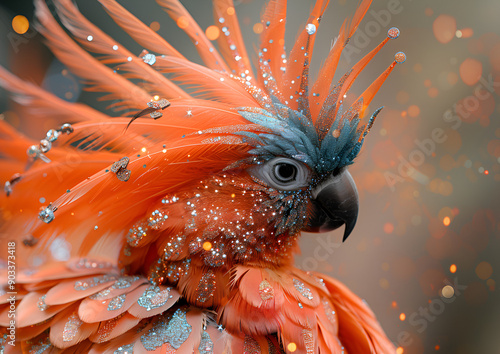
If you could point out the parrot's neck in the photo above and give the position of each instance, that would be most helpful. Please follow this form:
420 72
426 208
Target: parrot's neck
257 294
211 287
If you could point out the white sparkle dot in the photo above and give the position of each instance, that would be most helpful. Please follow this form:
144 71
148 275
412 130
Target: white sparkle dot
310 28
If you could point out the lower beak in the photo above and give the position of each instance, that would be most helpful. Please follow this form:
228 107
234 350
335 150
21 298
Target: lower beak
335 203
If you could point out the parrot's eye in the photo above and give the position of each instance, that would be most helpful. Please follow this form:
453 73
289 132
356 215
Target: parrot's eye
283 173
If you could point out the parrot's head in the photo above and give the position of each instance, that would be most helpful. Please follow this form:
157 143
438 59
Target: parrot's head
279 175
307 166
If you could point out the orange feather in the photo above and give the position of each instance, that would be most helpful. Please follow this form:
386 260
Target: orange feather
100 77
183 18
141 33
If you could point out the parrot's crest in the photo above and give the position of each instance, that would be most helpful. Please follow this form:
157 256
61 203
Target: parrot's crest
294 135
173 227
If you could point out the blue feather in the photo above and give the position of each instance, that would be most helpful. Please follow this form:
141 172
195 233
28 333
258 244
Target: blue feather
293 134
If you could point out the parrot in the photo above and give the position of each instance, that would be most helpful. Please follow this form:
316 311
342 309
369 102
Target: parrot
171 225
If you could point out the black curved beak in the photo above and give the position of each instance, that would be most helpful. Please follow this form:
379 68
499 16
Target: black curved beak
335 203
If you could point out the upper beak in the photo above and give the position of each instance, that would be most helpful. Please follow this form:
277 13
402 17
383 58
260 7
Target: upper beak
335 202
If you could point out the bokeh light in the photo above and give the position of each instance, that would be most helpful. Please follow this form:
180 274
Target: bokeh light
182 22
20 24
155 26
445 28
212 32
471 71
258 28
413 111
453 268
484 270
388 228
448 291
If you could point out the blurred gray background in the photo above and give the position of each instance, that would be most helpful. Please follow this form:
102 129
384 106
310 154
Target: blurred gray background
425 252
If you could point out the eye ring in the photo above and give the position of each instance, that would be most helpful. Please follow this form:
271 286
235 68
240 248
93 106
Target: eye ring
283 173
